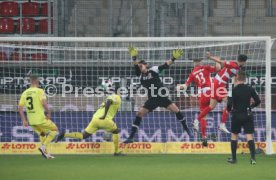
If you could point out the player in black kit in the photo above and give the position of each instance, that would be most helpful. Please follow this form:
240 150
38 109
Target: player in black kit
239 105
157 97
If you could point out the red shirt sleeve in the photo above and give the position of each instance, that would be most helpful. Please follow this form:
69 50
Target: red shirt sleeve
189 80
230 64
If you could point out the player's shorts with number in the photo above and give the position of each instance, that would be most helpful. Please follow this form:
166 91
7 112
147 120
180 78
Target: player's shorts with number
219 92
45 127
96 124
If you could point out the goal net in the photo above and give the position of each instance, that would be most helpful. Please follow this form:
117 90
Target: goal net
70 69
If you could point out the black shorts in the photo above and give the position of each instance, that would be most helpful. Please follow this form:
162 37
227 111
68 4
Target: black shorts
154 102
242 120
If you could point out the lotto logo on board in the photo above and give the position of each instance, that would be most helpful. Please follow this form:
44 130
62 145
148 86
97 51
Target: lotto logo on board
18 146
197 146
83 146
258 145
136 146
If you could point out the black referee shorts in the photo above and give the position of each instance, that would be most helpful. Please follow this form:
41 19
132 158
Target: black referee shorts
242 120
154 102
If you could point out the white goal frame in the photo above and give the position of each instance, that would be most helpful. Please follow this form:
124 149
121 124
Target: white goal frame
267 39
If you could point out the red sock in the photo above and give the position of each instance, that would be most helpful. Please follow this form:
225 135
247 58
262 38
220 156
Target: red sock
203 127
204 113
224 116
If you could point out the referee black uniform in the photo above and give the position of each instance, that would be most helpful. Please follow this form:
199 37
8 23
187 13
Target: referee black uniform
240 105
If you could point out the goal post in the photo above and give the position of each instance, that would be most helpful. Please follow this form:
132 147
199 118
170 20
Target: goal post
70 66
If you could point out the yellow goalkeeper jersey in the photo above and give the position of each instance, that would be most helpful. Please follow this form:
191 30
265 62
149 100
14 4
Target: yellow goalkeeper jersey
32 98
115 105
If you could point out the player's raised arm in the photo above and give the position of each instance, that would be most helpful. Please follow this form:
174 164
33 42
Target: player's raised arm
134 53
215 59
177 53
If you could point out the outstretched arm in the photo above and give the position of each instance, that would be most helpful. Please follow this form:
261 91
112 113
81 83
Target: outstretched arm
175 55
134 53
215 59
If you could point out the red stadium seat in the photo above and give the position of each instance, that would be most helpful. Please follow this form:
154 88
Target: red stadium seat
6 25
3 56
43 26
30 9
28 26
44 10
39 57
9 8
20 57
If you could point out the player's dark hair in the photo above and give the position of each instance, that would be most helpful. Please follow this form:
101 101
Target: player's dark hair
242 58
241 76
142 62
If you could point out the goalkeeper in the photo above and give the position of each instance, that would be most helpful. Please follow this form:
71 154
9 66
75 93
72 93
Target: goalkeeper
102 119
149 78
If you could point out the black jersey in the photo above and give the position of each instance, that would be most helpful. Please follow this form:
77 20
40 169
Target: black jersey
241 98
152 79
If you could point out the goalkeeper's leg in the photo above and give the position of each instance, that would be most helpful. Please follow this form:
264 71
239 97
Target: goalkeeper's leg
136 124
173 108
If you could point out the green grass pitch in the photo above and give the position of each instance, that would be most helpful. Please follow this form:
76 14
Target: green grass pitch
132 167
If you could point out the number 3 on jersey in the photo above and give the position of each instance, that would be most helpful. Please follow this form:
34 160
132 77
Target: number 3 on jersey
30 103
200 78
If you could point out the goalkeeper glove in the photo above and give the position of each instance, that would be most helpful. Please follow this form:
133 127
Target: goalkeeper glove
177 54
133 52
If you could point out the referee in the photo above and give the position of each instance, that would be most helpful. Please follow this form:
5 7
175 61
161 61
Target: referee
239 105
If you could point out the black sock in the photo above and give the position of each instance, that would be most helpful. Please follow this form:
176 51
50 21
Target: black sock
234 144
179 116
181 119
135 127
251 146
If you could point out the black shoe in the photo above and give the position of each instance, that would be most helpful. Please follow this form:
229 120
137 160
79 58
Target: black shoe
60 136
128 141
119 154
204 142
253 162
231 161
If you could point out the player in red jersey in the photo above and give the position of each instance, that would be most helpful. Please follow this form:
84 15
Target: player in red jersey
201 76
219 91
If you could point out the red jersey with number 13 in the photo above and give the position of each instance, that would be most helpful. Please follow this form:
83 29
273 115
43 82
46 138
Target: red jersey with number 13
201 76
